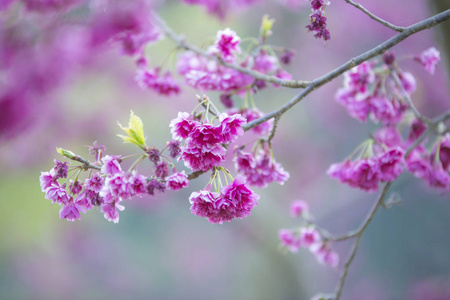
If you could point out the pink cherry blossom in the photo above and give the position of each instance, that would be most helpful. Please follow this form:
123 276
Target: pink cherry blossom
161 170
230 127
182 126
318 24
95 183
46 179
202 203
388 136
318 4
429 58
408 81
289 240
299 208
309 236
111 165
259 170
45 6
362 174
236 200
227 44
390 164
138 183
206 134
240 196
265 63
202 157
325 255
444 151
56 193
70 211
61 169
177 181
163 84
111 211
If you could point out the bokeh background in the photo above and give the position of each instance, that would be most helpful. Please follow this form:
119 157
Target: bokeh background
159 250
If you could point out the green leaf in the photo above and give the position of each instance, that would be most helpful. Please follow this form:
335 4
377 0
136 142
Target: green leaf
266 26
66 153
135 132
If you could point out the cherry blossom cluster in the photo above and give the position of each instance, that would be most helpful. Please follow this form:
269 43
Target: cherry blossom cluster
370 90
204 149
107 185
373 94
307 237
226 46
55 52
377 164
429 58
432 166
106 188
318 21
62 43
163 84
259 168
234 200
204 142
207 74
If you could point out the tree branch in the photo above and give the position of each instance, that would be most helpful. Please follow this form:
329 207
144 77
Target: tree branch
374 17
358 238
442 118
274 129
86 163
257 75
407 98
380 49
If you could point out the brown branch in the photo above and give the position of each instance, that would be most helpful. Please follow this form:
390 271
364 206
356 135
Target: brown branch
374 17
86 164
194 175
380 49
255 74
358 238
432 126
274 129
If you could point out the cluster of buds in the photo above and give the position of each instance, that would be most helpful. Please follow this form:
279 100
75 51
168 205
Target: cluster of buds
318 21
259 167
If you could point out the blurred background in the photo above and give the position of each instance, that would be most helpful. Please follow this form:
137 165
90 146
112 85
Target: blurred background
159 250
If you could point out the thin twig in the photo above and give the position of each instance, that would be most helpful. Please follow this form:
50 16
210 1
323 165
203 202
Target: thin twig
255 74
358 238
374 17
194 175
351 234
380 49
442 118
86 163
408 99
274 129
